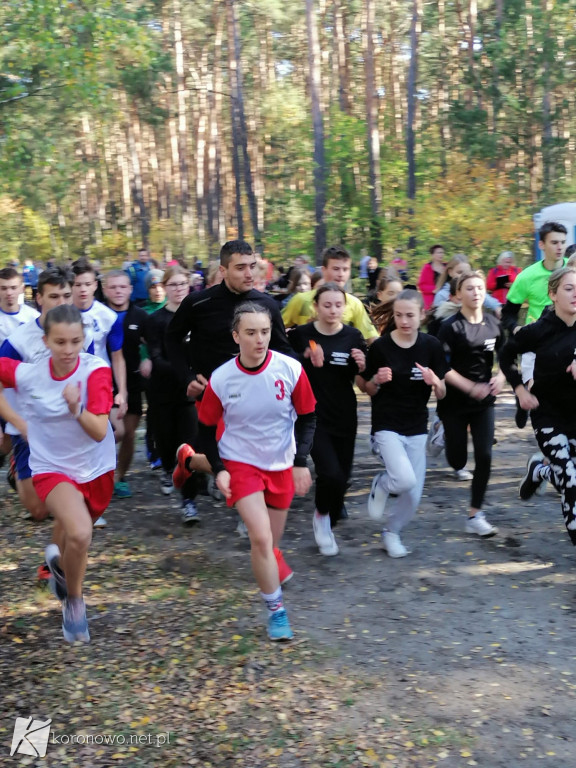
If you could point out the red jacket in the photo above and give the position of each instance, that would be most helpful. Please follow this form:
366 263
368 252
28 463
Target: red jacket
427 284
496 286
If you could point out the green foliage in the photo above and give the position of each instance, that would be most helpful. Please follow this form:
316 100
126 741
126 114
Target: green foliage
494 126
473 211
23 233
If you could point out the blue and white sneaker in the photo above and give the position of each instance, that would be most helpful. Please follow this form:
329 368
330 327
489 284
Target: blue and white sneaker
57 580
190 514
279 626
74 621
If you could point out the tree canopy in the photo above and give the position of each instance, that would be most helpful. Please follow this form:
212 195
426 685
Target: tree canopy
180 125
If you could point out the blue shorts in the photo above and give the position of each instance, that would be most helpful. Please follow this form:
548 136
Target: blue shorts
21 457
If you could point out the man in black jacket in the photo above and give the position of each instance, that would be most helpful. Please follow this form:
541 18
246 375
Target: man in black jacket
118 289
207 317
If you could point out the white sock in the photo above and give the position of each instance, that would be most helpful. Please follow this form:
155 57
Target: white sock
273 601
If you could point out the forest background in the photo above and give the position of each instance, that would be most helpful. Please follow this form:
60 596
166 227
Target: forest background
382 125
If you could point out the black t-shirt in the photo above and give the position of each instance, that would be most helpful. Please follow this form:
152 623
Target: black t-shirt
333 383
400 405
469 349
134 321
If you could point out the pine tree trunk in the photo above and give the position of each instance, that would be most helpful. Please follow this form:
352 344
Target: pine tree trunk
411 98
133 134
202 145
373 134
216 208
342 56
314 59
181 99
239 123
172 160
235 116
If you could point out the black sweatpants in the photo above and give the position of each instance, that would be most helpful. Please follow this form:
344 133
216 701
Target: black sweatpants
481 423
332 456
173 424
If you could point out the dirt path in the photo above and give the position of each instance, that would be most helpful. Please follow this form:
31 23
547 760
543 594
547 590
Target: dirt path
461 654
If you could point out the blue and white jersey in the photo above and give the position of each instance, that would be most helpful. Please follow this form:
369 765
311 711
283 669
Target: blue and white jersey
10 321
104 328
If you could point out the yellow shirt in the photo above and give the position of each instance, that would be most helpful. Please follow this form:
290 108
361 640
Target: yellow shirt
300 310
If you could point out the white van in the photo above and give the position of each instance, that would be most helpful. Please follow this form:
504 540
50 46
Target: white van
563 213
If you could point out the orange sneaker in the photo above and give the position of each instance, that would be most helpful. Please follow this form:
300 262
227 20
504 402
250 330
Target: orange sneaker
181 473
285 573
43 572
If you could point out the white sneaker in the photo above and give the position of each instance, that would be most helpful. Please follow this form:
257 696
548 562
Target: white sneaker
393 545
323 535
331 550
463 474
480 526
322 529
377 499
100 523
190 514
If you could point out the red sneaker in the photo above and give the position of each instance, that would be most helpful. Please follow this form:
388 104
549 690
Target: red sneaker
285 573
181 474
43 572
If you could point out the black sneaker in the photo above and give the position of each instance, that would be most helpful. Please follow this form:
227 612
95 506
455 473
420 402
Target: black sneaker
57 579
166 484
529 486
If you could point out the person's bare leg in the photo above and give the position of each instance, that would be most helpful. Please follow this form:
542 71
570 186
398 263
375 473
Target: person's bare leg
5 444
58 536
118 425
200 463
254 513
69 509
277 524
126 450
29 499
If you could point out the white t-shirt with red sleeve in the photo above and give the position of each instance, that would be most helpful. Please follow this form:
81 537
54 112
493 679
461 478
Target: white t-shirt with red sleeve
57 441
259 409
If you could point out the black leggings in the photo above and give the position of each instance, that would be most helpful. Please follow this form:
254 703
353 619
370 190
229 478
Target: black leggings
560 448
332 456
481 423
173 424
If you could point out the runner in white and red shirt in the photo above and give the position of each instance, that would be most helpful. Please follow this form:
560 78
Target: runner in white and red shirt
267 407
66 400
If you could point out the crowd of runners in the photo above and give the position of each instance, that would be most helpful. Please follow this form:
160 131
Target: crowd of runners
247 379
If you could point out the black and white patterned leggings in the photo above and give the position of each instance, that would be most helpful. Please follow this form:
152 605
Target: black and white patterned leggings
560 449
